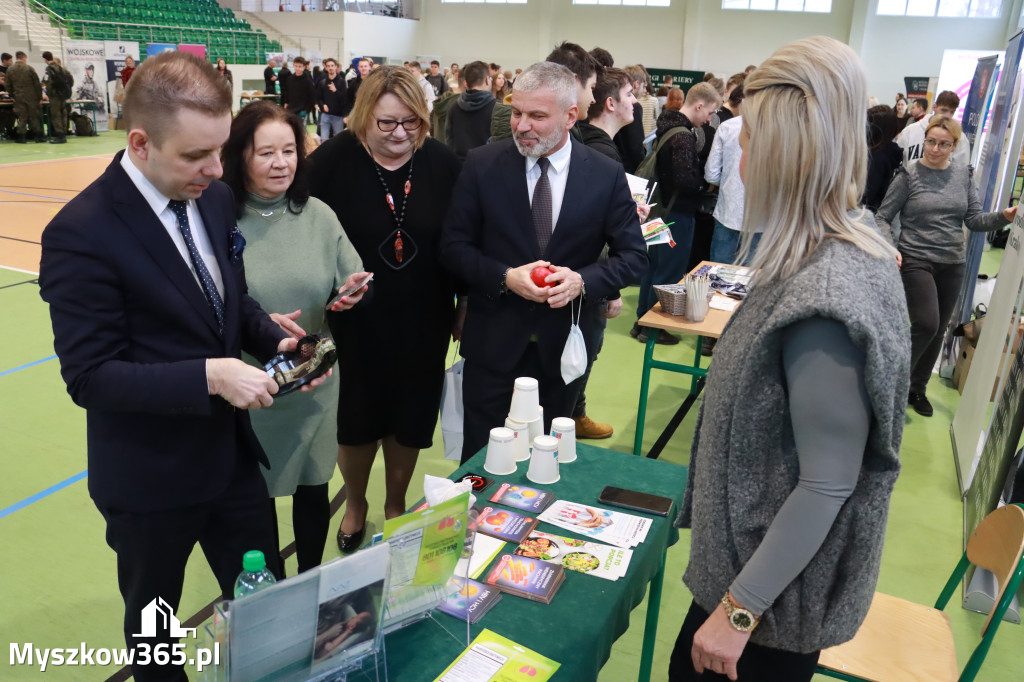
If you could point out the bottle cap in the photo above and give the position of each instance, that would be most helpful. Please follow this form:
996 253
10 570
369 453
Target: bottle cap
254 561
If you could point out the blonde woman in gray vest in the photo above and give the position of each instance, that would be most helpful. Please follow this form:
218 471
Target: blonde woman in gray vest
788 491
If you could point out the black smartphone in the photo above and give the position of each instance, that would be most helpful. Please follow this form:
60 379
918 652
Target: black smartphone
636 500
351 290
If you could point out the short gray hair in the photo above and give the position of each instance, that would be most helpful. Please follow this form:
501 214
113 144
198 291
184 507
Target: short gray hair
549 76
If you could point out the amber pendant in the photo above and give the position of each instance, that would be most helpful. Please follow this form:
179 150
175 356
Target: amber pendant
399 246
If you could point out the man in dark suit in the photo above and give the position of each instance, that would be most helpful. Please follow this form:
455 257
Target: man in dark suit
537 199
144 276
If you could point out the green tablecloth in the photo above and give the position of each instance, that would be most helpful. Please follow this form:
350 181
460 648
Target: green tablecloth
588 613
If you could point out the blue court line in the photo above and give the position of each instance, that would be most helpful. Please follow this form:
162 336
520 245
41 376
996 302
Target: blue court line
37 196
43 493
31 364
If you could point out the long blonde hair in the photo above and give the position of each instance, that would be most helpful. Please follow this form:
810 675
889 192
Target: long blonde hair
804 116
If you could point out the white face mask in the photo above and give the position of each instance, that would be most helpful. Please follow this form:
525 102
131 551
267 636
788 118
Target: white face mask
574 355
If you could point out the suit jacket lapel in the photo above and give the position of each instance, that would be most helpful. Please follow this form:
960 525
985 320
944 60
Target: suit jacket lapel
137 216
520 193
576 189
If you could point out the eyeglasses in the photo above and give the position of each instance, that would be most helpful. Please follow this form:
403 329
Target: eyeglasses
944 146
388 126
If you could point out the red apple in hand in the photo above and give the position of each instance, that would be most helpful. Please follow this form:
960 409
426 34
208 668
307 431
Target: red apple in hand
539 274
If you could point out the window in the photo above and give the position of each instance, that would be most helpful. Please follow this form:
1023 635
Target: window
984 9
490 2
822 6
627 3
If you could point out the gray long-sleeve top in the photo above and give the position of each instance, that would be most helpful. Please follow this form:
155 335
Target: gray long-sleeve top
831 415
933 205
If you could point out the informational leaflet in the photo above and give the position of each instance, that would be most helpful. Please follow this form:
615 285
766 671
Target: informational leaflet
471 600
485 549
425 548
615 528
522 497
493 658
351 598
272 631
593 558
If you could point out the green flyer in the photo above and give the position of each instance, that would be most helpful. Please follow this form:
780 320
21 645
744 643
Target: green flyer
434 539
493 658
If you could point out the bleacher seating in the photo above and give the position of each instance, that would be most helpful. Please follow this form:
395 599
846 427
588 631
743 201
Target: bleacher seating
201 22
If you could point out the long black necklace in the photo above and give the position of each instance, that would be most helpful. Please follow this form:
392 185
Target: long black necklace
399 217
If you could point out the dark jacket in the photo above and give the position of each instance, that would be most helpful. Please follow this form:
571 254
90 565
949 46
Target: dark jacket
598 140
282 78
336 100
353 88
269 78
678 164
882 165
630 141
469 122
300 94
439 84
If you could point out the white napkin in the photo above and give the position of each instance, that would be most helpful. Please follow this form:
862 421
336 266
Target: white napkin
437 490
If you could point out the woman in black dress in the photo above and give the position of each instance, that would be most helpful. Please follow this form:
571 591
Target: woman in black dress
390 185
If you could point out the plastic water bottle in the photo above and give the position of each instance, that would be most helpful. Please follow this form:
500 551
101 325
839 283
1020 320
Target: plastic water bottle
255 576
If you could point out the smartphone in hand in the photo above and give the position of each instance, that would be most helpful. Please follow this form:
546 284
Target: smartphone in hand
351 290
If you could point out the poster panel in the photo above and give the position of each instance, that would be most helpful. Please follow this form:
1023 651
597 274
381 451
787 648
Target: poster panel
958 71
197 50
917 86
86 60
157 48
116 52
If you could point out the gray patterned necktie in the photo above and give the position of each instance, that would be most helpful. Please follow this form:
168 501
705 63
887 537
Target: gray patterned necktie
205 280
541 206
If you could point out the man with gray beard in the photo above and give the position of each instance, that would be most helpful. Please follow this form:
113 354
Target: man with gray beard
539 199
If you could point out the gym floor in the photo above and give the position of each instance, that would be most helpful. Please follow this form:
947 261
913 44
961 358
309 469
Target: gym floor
59 577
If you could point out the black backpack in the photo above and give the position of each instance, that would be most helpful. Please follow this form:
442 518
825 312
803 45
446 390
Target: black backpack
61 82
83 125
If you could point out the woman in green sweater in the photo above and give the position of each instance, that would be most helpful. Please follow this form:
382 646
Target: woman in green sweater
297 257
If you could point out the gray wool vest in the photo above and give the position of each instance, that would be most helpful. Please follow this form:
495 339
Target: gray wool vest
743 464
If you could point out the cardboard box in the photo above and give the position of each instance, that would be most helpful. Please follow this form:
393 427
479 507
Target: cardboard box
963 362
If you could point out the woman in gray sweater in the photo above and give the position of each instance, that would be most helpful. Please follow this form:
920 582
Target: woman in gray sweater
788 491
934 198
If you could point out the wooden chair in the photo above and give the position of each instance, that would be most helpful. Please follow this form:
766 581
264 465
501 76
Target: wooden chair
901 640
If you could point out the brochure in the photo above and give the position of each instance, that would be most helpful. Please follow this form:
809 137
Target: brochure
615 528
484 549
526 577
425 548
604 561
522 497
480 483
471 600
504 524
493 658
349 613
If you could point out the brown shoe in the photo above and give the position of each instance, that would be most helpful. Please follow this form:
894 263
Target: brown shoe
588 428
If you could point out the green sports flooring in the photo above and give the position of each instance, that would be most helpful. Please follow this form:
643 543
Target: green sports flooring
57 576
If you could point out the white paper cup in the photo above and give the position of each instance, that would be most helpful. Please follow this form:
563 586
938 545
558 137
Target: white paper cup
544 460
501 460
525 400
564 430
521 444
536 428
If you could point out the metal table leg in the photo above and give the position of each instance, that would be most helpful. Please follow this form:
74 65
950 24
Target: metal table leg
645 382
651 622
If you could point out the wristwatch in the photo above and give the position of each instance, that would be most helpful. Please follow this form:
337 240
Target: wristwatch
503 289
739 618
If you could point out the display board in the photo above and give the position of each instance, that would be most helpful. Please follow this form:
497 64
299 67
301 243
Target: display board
86 60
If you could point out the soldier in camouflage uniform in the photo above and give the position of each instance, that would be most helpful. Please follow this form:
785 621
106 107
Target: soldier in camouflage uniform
53 81
24 86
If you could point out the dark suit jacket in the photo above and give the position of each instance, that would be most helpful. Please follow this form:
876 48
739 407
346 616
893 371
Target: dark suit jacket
489 228
132 330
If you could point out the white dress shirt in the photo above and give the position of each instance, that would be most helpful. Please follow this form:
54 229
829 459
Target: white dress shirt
160 205
558 174
723 169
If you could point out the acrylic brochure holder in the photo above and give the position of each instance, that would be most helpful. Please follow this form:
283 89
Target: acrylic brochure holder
328 624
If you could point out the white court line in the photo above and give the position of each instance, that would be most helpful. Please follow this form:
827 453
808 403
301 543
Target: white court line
49 161
27 272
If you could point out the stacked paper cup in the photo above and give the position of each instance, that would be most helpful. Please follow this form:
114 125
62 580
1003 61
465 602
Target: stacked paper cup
525 416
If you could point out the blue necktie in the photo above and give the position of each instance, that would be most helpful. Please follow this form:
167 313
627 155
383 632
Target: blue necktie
205 280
